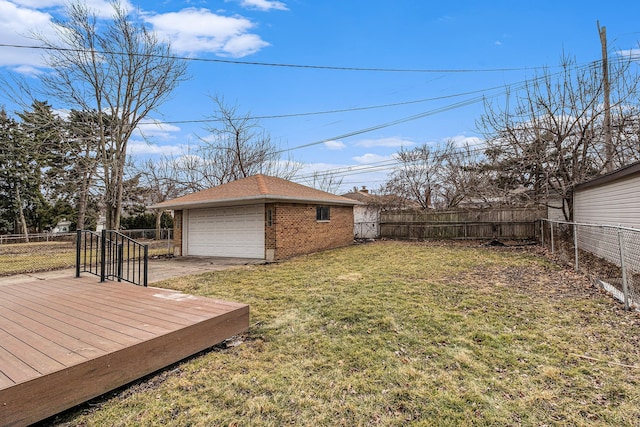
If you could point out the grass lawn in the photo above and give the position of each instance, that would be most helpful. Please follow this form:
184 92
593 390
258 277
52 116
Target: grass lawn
21 258
394 333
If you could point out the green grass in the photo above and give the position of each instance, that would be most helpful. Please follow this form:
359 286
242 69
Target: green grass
397 333
21 258
31 257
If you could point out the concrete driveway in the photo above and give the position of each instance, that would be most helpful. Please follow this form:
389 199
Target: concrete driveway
159 269
166 268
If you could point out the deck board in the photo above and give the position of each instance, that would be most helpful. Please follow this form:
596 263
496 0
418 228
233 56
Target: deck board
84 345
65 341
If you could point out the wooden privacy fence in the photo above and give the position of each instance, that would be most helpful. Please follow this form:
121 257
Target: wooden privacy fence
497 223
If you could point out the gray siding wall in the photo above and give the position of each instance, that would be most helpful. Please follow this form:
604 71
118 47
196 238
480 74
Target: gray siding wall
613 203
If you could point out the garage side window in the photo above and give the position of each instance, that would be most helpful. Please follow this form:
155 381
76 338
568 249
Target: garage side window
269 217
322 213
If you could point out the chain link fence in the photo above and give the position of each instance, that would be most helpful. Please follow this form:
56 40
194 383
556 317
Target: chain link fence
52 251
608 254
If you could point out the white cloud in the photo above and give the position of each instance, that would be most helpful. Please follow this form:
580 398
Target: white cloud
136 147
629 53
16 22
385 142
190 30
498 43
102 8
243 45
264 5
20 19
28 70
62 113
156 129
371 158
200 30
462 140
335 145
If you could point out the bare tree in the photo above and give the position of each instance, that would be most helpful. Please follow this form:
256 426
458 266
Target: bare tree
118 70
161 181
325 181
464 178
418 176
549 136
235 148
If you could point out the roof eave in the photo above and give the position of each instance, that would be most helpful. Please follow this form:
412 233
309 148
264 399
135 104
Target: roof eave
251 200
623 173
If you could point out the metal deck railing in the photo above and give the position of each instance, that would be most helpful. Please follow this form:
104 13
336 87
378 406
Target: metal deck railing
112 255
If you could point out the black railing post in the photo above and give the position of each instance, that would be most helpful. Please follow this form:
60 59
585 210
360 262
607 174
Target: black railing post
78 247
146 266
103 255
120 257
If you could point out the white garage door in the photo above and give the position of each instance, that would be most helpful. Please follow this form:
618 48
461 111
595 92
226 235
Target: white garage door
226 232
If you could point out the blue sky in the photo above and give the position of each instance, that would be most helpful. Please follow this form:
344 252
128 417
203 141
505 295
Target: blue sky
460 47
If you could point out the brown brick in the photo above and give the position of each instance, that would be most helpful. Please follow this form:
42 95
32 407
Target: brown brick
295 230
177 233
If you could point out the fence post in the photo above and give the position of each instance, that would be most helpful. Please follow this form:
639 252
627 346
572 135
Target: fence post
103 255
542 221
78 244
552 242
575 243
625 289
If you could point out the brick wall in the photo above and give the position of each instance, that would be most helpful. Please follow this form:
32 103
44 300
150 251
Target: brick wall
177 233
295 230
270 231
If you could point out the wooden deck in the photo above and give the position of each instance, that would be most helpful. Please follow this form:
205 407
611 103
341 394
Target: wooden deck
65 341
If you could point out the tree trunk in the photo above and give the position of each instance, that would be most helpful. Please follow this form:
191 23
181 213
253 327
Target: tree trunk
23 221
158 223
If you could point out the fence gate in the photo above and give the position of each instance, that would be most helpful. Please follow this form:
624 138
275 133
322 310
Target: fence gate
112 255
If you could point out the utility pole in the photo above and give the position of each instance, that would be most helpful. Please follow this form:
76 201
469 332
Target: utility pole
608 139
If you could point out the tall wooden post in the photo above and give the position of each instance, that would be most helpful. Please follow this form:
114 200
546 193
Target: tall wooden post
608 139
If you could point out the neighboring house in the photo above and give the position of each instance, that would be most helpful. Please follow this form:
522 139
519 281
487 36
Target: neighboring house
612 199
102 223
556 206
260 217
366 217
63 226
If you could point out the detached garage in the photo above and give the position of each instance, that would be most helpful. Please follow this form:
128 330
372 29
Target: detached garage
260 217
612 199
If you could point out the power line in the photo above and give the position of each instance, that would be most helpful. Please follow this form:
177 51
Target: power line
343 110
516 85
282 65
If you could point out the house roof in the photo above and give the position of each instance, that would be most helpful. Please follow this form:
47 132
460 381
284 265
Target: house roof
622 173
387 201
254 189
359 196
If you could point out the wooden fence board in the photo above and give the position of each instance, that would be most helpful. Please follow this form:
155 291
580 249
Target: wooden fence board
508 223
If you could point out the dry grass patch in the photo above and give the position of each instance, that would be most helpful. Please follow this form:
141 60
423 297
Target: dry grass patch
18 258
397 333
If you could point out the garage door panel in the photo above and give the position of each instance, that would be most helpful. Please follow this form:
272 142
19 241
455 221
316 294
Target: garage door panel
229 232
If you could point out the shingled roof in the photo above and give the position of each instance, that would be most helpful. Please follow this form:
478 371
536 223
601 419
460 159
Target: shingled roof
254 189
